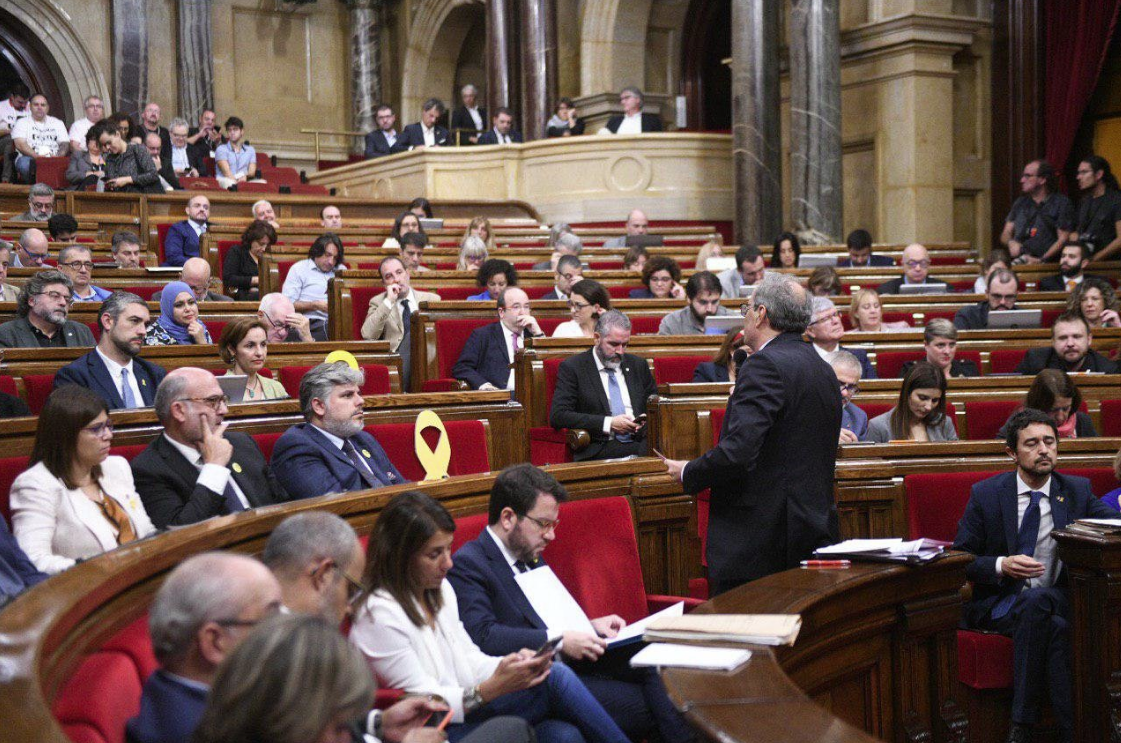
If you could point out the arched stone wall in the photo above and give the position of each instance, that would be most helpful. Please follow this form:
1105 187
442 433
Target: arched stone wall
435 39
78 75
613 45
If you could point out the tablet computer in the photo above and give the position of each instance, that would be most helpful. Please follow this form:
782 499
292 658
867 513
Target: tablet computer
928 288
721 324
1015 318
233 386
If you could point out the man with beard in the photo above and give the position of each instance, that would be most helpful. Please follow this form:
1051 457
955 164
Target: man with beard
603 390
331 453
41 311
1069 351
1018 581
1072 263
114 369
703 291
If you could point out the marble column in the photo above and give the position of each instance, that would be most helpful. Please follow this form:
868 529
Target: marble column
816 195
130 55
539 64
195 60
756 133
498 54
365 61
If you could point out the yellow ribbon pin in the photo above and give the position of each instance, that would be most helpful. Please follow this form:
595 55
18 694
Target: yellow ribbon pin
345 356
366 453
236 467
436 462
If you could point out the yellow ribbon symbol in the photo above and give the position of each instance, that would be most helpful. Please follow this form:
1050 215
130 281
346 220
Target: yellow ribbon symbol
344 356
436 462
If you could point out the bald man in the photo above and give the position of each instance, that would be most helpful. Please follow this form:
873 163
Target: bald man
916 267
637 224
196 274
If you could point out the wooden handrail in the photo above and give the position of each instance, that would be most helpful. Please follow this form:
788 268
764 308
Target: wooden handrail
331 133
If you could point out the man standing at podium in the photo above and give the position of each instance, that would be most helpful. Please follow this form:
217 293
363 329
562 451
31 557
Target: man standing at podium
771 475
1018 580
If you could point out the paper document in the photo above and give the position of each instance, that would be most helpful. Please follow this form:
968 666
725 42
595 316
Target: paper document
667 655
759 629
552 601
885 550
632 631
1101 522
860 545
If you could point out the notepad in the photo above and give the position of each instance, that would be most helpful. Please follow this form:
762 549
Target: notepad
668 655
756 629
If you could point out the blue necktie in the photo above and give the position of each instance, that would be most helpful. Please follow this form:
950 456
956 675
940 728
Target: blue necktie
126 390
233 503
1026 539
615 396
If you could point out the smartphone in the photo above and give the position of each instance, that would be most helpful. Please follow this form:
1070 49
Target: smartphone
641 420
548 648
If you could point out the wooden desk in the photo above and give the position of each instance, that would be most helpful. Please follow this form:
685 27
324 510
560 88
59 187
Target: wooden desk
876 658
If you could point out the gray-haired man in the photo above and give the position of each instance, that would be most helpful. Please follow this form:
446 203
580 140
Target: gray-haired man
42 308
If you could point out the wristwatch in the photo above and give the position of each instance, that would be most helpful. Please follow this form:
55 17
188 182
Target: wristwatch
472 700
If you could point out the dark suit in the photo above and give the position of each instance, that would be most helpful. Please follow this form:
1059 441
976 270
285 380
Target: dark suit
168 483
709 371
12 407
165 139
958 368
490 136
484 358
307 464
19 333
500 620
413 136
180 244
1057 283
378 146
1044 357
1037 621
169 711
973 316
650 123
873 260
195 159
553 295
891 286
238 271
90 371
461 119
168 173
17 572
580 401
766 516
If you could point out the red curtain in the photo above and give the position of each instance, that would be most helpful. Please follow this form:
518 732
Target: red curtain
1076 38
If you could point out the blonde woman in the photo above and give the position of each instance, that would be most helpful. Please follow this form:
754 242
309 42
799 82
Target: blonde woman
867 314
480 228
472 254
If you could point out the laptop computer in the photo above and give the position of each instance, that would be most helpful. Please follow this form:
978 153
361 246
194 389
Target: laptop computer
427 224
233 386
746 290
721 324
929 288
646 241
813 260
1015 319
722 263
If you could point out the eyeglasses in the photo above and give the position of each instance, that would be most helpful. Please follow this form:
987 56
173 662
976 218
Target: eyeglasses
35 257
354 588
918 264
852 389
100 429
79 265
574 306
828 317
544 525
54 295
745 309
214 401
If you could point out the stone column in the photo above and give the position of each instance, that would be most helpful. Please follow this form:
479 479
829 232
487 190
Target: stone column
816 196
195 62
498 55
365 61
756 134
130 55
539 64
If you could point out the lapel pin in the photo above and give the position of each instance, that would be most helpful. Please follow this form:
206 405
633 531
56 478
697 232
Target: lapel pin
391 476
1059 498
236 467
366 453
143 382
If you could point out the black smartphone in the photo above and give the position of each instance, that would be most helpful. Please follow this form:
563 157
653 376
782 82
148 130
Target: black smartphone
548 648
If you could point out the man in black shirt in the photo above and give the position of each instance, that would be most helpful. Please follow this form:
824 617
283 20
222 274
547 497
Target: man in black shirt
1099 212
1041 220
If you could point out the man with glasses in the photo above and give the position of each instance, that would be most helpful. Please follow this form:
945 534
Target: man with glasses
1003 287
916 270
632 120
196 274
32 249
749 270
114 368
95 112
703 292
76 262
204 609
8 292
1041 220
330 453
285 324
198 469
389 314
523 514
40 204
854 421
826 330
486 361
41 320
186 161
383 140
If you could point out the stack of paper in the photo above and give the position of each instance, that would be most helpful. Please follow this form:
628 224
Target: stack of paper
755 629
1106 525
666 655
884 550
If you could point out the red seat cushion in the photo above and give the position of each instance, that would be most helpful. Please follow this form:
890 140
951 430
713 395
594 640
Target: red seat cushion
872 409
135 641
458 293
161 235
1102 479
984 660
890 363
936 502
547 445
451 337
102 694
360 297
674 369
1111 417
468 446
468 528
128 451
8 385
1005 360
647 325
10 469
986 417
377 379
52 171
282 269
39 388
266 442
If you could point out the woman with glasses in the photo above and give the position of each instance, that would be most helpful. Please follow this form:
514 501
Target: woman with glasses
75 501
587 300
661 278
410 633
244 346
473 254
405 223
178 323
1055 393
128 167
724 365
239 270
920 414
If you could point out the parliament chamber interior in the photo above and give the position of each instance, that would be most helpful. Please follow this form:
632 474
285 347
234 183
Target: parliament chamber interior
725 281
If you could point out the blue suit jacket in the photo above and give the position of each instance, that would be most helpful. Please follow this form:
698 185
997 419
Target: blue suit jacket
708 371
169 711
873 260
181 243
490 136
90 371
484 358
990 523
307 464
17 572
492 606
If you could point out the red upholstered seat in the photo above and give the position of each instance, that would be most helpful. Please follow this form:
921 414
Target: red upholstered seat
890 363
101 696
984 660
266 442
468 445
647 325
135 642
451 336
161 236
360 297
606 265
128 451
264 160
8 385
459 293
1005 360
1049 315
872 409
258 188
547 446
1102 479
282 269
675 369
39 388
281 176
10 469
52 171
534 292
987 416
1111 418
620 291
199 184
377 379
947 260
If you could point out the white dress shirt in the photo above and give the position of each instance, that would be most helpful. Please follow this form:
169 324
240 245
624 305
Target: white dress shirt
198 227
429 135
631 124
1044 545
476 117
510 350
410 298
115 374
390 136
603 378
179 161
211 476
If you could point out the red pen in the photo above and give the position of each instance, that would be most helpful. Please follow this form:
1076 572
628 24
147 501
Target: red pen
444 722
826 564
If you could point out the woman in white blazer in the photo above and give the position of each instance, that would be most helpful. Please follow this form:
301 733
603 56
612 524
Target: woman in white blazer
409 631
75 501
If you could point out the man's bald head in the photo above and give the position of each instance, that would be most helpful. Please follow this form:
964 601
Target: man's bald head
916 263
637 223
196 274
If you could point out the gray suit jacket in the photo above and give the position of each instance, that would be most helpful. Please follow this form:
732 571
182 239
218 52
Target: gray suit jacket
18 334
383 323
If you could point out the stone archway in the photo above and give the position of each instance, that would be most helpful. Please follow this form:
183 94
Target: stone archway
435 40
76 73
613 45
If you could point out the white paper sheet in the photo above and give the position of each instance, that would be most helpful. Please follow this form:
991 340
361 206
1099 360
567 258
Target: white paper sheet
664 654
860 545
552 601
636 629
